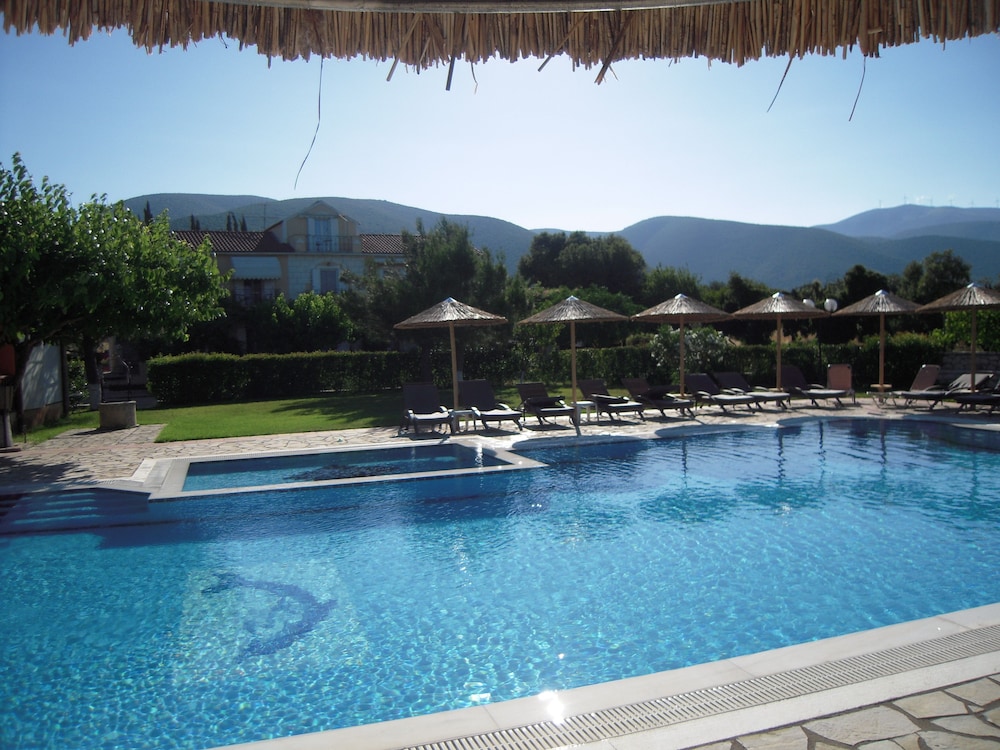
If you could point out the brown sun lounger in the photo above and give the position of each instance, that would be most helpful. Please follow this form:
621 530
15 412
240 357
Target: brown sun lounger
657 397
960 386
478 397
596 390
734 382
838 384
422 408
536 401
707 391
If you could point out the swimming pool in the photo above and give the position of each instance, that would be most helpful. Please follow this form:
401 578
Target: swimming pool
216 620
328 466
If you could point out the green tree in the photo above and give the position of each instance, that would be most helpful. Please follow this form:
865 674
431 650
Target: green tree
957 330
859 282
439 263
737 293
662 284
541 263
79 275
311 322
940 273
705 350
579 261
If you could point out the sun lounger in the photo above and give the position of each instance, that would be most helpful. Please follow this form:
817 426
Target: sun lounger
707 391
597 391
657 397
989 396
925 380
536 401
422 408
478 396
934 396
734 382
795 382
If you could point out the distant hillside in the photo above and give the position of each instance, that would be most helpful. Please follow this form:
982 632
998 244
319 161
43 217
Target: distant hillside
782 257
911 220
373 217
187 204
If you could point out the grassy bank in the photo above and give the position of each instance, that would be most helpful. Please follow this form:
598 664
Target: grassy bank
280 416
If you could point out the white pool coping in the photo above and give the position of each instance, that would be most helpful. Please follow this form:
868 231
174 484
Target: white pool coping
448 728
164 479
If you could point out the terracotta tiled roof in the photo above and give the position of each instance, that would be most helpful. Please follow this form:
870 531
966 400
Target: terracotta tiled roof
266 242
382 244
235 242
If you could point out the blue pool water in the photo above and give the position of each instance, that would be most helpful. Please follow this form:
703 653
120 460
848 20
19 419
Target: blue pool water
231 618
330 465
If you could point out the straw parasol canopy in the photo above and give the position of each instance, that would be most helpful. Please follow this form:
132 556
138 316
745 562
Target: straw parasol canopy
451 313
573 310
428 33
681 309
970 299
778 307
881 303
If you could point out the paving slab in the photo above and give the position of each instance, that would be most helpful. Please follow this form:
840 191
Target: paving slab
980 692
931 705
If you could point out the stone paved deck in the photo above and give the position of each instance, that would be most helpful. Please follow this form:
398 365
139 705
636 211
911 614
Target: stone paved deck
960 715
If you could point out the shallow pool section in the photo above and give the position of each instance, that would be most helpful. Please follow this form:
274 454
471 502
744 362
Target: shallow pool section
232 617
321 466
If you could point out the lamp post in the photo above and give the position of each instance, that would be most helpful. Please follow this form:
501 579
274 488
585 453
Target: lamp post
830 305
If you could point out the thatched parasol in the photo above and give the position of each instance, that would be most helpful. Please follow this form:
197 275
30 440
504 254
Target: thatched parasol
971 298
426 33
881 303
572 310
451 313
777 307
681 310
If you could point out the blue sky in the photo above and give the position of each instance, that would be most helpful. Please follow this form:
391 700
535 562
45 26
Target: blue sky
549 149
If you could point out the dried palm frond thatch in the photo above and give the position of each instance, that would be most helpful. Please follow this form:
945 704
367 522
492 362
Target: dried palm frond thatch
424 33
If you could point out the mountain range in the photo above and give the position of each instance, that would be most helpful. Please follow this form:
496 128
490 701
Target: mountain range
783 257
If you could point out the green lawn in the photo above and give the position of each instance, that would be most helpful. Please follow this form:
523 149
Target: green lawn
330 412
335 412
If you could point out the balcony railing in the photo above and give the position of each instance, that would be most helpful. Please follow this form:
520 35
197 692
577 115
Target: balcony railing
250 297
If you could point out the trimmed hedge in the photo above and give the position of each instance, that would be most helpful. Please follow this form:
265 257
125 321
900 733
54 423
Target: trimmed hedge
211 378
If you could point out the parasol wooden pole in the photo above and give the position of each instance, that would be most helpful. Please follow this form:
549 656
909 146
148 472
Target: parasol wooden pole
881 353
972 364
572 355
681 368
454 365
780 334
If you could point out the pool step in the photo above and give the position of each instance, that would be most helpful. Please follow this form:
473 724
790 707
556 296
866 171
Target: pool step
69 509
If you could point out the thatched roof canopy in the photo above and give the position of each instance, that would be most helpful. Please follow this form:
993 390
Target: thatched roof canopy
451 312
424 33
681 309
574 310
971 297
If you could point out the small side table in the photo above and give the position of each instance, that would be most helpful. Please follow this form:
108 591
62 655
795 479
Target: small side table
460 419
586 407
881 391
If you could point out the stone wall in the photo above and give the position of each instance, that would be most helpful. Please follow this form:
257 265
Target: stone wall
954 364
